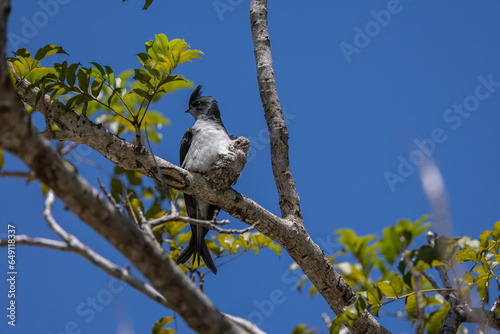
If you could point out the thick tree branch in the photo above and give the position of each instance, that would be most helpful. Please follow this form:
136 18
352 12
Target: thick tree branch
278 133
305 252
118 272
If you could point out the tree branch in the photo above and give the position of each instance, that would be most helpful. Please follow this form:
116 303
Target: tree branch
305 252
278 133
73 244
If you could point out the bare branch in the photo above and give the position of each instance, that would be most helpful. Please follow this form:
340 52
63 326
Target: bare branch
250 327
75 245
108 195
278 133
494 307
18 174
40 242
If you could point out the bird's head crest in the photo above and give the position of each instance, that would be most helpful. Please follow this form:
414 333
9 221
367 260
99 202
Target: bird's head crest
195 94
203 106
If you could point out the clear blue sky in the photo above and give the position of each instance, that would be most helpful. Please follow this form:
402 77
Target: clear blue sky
355 104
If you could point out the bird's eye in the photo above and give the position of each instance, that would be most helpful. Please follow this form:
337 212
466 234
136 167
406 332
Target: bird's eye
196 103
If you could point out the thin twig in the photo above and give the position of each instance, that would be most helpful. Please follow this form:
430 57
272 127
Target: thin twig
69 148
75 245
45 110
40 242
495 304
210 224
108 195
145 226
23 175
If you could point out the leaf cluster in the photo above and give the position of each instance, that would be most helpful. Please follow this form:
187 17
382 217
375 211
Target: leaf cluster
124 99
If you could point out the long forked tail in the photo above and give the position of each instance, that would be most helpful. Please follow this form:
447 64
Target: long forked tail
198 247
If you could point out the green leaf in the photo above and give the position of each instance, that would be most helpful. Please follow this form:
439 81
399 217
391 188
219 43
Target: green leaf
386 289
173 83
142 93
147 4
496 231
484 238
47 50
212 246
184 237
77 100
110 75
25 58
274 247
155 211
134 177
436 318
466 254
340 320
158 326
99 68
61 70
148 193
312 291
411 305
301 283
174 228
45 188
83 79
37 74
71 74
373 295
142 76
19 67
482 283
97 86
396 284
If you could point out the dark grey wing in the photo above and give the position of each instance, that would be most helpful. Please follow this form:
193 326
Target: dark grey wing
191 204
185 145
197 245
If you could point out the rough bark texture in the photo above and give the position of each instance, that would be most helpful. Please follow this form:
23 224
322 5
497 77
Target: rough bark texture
299 245
288 198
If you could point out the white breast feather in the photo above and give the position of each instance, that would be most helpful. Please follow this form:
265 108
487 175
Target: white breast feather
209 141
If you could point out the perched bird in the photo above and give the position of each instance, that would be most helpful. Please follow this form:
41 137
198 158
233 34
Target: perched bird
200 147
